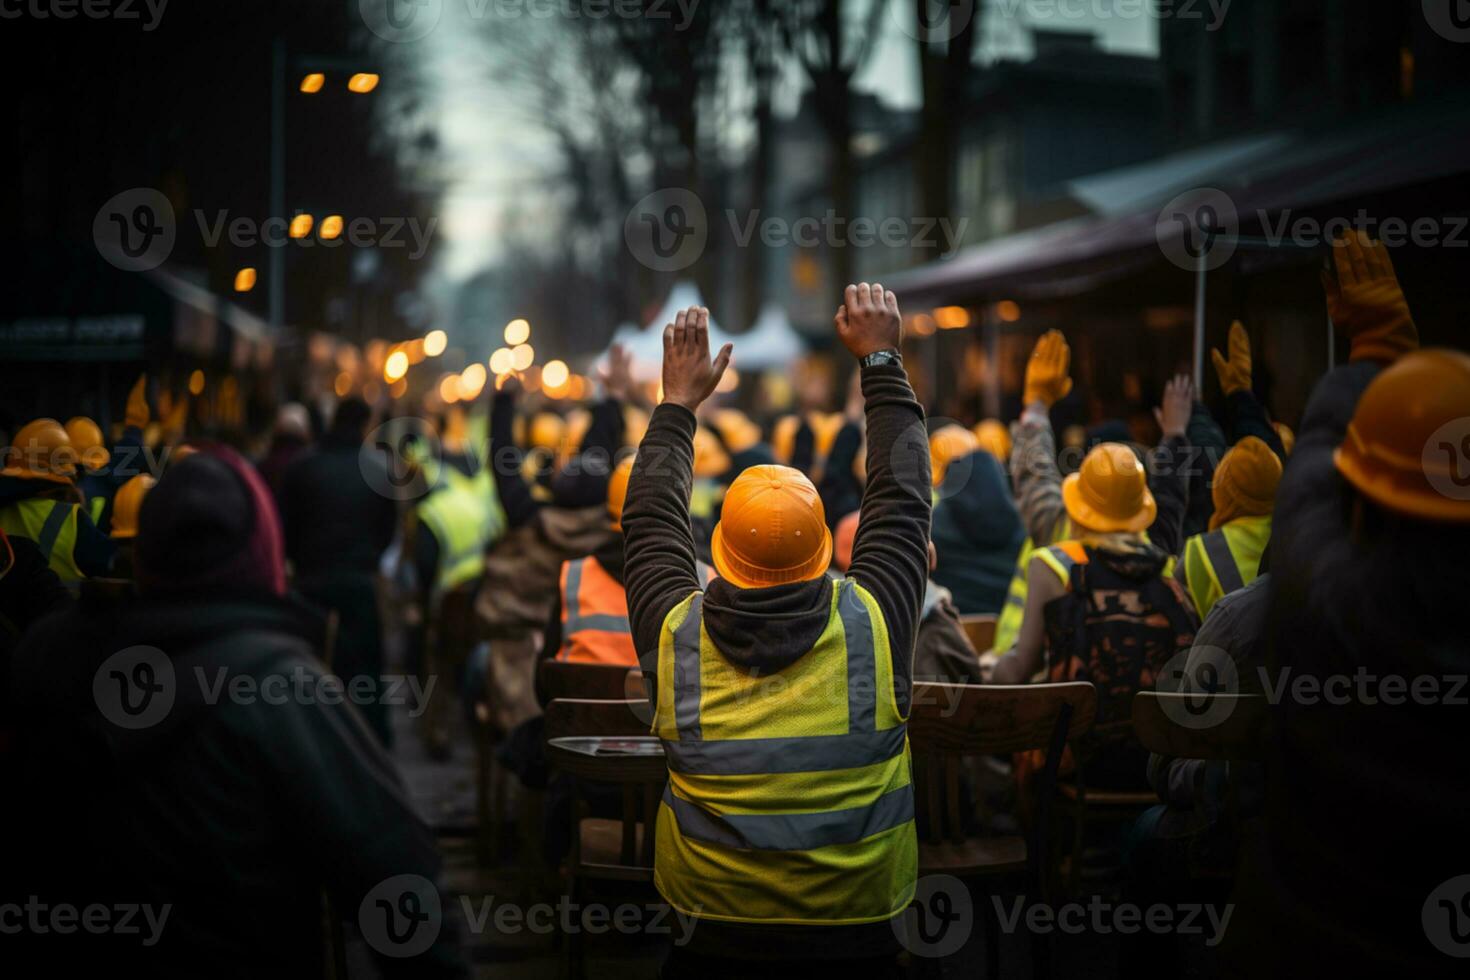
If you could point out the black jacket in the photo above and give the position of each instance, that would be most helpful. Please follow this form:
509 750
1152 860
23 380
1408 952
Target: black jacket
336 520
234 810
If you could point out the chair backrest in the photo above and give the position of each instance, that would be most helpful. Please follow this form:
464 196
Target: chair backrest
601 682
969 719
1227 727
571 717
980 628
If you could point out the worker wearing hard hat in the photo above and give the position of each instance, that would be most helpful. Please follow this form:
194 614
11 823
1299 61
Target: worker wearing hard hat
127 504
780 695
92 459
1371 529
39 500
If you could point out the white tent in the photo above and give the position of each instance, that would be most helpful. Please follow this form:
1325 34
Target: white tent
772 342
647 345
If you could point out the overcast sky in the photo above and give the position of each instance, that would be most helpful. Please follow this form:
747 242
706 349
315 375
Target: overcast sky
496 155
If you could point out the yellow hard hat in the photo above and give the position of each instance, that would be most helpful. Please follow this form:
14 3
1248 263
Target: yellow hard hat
547 429
1110 491
772 530
1245 482
86 439
825 428
994 438
617 491
42 451
1288 438
736 428
1398 451
710 458
127 504
783 437
579 420
948 444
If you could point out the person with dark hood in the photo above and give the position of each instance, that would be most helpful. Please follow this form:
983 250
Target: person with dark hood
977 533
186 754
338 522
290 439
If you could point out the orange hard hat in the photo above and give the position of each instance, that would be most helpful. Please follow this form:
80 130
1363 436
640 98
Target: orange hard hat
994 438
1110 491
1405 447
843 540
546 431
86 439
41 451
1245 482
1288 438
772 530
617 491
127 504
783 437
710 458
948 444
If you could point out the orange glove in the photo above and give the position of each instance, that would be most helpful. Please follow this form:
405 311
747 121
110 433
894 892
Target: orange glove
1047 380
137 414
1367 303
1235 374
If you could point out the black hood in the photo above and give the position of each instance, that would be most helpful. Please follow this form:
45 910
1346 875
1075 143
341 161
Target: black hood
767 629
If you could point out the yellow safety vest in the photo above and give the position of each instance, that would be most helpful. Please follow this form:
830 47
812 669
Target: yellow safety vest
52 525
1008 624
1223 561
465 517
95 506
789 798
1062 556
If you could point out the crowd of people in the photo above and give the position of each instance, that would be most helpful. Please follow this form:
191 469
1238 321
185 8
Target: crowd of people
843 555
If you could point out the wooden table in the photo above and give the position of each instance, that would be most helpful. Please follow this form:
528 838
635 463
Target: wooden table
620 758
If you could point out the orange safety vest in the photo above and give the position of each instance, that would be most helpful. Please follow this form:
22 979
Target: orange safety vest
594 615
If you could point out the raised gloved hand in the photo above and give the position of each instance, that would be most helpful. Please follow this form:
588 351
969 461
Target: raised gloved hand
1235 373
1367 303
137 414
1047 378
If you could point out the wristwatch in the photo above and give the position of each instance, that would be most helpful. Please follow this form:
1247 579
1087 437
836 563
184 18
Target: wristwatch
887 356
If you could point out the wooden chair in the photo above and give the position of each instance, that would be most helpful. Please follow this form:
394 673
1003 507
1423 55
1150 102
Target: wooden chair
561 679
980 628
949 722
604 849
1082 805
449 636
1238 735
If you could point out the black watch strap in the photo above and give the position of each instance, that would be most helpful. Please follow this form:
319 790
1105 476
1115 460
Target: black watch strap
889 356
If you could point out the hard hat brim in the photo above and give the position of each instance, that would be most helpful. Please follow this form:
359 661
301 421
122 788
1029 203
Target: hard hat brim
1411 498
65 478
1094 520
731 569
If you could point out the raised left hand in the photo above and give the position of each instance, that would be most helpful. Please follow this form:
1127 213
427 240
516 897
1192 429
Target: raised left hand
689 375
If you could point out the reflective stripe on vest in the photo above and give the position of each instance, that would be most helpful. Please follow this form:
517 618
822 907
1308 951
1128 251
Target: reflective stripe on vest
594 616
1061 557
784 778
95 507
1008 623
465 517
1223 561
52 525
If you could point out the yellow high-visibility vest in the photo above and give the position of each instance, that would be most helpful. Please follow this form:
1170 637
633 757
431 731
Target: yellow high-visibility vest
52 525
1008 624
1224 560
790 797
465 517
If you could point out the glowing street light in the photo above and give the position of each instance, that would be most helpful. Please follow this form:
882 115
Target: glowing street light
245 280
517 332
472 381
554 374
313 83
301 225
196 382
362 83
449 388
522 356
395 367
502 361
331 227
434 342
